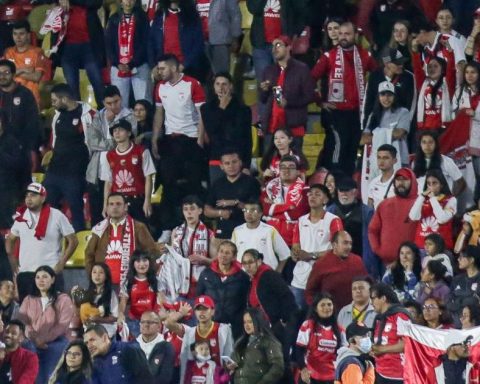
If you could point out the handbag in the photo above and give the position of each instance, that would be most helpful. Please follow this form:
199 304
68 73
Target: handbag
301 43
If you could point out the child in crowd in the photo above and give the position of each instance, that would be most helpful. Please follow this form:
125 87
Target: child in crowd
101 306
435 250
203 369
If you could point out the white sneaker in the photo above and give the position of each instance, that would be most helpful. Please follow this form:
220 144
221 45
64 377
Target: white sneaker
165 237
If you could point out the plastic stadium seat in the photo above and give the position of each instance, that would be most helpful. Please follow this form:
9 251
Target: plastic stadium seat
250 92
247 17
78 258
255 142
157 195
38 177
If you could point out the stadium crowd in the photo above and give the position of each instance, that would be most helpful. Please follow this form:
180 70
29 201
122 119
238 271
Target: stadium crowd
212 249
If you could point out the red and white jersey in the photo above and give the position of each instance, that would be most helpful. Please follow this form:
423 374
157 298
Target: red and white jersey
321 344
271 20
199 372
312 237
142 298
127 170
219 340
180 101
390 365
203 8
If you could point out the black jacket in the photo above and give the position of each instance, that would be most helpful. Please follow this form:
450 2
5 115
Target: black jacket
230 127
161 362
140 38
230 295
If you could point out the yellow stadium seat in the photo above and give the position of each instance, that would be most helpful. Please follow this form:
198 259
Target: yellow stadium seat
255 143
78 258
250 92
157 195
246 47
37 16
38 177
247 17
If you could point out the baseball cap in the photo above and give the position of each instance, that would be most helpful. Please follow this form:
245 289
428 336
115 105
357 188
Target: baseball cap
122 123
346 184
356 329
394 56
37 188
284 39
386 86
204 301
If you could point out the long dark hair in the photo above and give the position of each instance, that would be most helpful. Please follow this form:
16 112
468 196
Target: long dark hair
261 328
85 368
465 86
272 151
438 174
106 296
398 272
375 117
52 291
331 321
420 166
151 278
440 81
327 44
188 13
148 124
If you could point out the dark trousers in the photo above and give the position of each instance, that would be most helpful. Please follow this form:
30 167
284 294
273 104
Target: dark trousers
183 166
26 284
70 188
135 208
95 197
75 57
382 380
342 137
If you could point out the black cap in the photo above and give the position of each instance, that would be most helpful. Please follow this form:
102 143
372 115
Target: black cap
394 56
122 123
472 251
356 329
346 184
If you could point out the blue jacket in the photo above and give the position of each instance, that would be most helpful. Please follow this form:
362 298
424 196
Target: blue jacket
124 363
140 55
191 40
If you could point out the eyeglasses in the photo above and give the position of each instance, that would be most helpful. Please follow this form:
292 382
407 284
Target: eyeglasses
250 210
429 307
148 322
278 45
288 167
74 354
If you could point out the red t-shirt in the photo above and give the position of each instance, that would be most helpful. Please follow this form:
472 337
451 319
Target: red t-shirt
203 8
271 20
113 257
127 170
278 113
321 345
390 365
171 37
77 28
142 299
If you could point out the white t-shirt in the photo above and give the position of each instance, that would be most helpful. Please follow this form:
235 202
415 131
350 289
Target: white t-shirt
450 171
377 190
265 239
47 251
313 237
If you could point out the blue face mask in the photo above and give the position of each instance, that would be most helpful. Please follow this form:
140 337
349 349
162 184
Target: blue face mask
365 345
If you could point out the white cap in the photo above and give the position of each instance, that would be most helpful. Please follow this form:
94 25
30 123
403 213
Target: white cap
386 86
37 188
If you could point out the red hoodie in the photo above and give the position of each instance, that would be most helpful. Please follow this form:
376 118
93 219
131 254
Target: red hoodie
390 225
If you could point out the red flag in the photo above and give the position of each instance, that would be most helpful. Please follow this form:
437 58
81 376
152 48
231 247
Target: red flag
457 133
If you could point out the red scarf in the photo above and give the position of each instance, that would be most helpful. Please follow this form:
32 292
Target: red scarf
151 9
41 228
235 268
278 119
294 194
126 32
253 298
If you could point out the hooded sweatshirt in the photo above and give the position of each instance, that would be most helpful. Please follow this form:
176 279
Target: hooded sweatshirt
390 225
349 368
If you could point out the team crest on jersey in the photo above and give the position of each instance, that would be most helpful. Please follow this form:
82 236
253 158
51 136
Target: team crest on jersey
75 121
28 60
213 342
123 179
16 100
388 327
181 96
123 162
156 361
134 160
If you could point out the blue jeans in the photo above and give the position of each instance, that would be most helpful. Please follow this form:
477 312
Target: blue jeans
71 188
47 358
299 295
140 82
75 57
133 326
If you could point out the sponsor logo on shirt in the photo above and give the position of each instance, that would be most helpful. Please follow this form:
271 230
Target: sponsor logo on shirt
124 179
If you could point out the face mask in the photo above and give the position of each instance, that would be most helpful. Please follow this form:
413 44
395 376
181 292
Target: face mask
203 359
365 345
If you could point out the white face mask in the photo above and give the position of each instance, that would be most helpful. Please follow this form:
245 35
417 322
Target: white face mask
203 359
365 345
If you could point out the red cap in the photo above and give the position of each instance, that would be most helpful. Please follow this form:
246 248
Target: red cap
204 301
284 39
477 12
